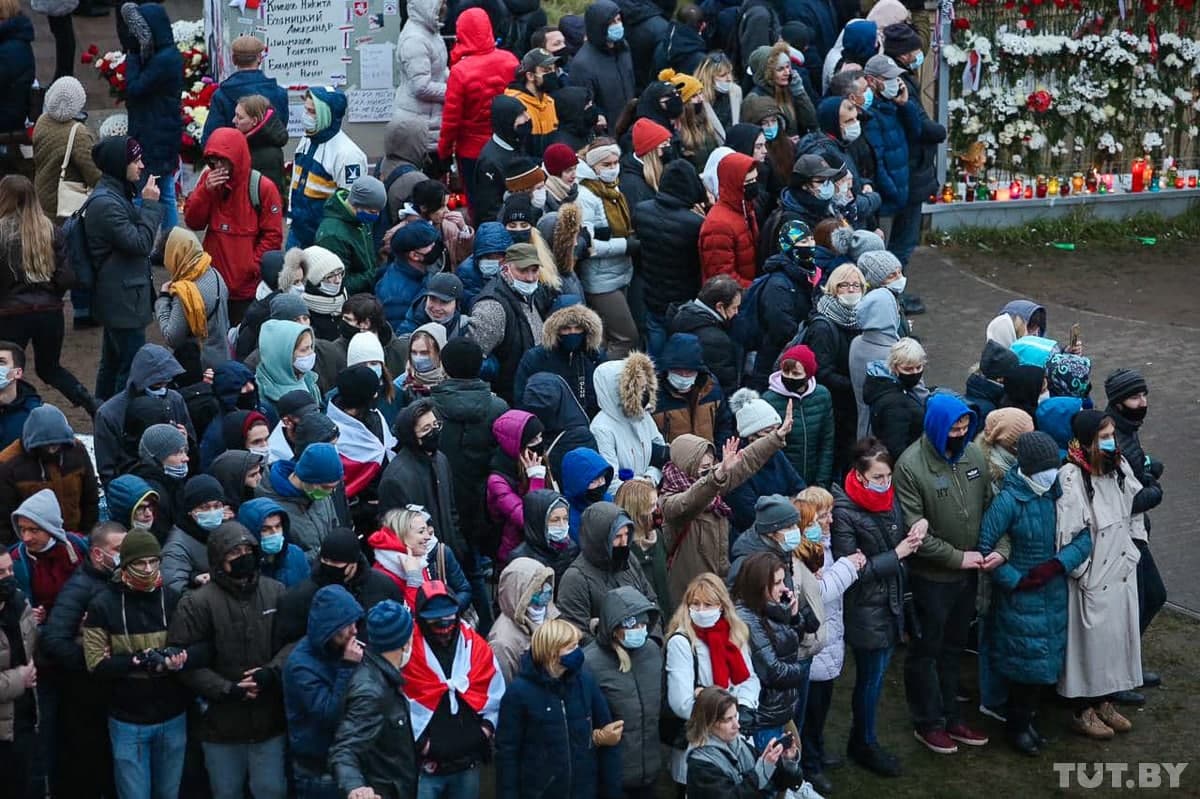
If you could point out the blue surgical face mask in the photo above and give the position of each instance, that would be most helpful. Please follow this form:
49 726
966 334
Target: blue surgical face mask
813 532
918 61
891 88
367 217
210 519
826 191
635 637
378 370
791 539
868 98
272 544
525 289
422 363
770 131
879 488
557 533
1045 478
616 32
489 267
178 472
152 392
1108 445
541 599
6 379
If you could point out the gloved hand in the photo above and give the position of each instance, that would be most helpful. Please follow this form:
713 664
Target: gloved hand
1154 467
609 734
265 678
796 84
633 245
1041 574
234 693
602 233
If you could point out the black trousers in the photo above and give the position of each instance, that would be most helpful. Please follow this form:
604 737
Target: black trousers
1152 594
931 669
812 734
63 29
45 329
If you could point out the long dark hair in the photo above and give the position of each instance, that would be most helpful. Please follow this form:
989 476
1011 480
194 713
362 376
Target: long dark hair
754 580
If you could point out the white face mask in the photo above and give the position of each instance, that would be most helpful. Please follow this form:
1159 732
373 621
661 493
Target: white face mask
680 383
897 285
722 86
489 267
296 288
6 379
705 618
539 198
264 452
849 300
309 120
525 289
536 615
891 88
852 131
609 175
331 288
305 363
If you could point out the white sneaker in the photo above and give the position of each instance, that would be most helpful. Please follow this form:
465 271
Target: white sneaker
806 791
996 713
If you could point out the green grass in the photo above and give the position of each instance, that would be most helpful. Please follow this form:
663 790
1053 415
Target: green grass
1080 228
557 8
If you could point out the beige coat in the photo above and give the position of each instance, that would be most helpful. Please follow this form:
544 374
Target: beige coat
698 540
510 635
1104 651
11 684
50 139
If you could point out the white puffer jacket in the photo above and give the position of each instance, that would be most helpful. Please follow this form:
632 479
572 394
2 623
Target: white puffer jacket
836 577
421 59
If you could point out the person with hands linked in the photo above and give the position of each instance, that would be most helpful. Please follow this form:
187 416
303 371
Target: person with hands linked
18 675
942 479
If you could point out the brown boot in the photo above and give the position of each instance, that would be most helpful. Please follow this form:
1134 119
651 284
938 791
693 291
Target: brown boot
1089 724
1109 715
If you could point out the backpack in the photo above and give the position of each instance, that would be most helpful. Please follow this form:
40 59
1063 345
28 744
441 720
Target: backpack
672 729
255 179
387 215
79 254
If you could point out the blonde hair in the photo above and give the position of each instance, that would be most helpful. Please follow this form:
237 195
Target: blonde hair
547 268
820 500
652 168
844 271
548 640
255 105
637 498
695 129
713 65
707 589
906 352
809 552
26 233
398 520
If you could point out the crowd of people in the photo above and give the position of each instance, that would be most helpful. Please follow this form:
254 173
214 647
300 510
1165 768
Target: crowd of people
593 480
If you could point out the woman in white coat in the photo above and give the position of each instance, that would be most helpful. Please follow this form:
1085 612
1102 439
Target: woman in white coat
707 644
625 432
421 59
1104 653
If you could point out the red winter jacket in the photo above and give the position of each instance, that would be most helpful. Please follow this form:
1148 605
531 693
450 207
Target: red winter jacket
238 235
478 72
729 231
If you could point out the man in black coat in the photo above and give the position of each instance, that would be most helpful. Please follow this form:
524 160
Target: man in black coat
645 26
709 318
341 561
511 129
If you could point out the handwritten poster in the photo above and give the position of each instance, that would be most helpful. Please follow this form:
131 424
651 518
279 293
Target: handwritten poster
375 66
369 105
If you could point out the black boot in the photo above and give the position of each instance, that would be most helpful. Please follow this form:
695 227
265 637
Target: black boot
1151 679
1020 735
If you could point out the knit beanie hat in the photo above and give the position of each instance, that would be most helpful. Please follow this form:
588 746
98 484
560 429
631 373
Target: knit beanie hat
997 361
161 441
1069 375
462 358
114 125
319 263
436 331
648 134
753 413
200 490
320 463
803 355
517 208
313 427
853 243
774 512
288 307
341 546
133 150
389 626
1004 426
524 175
295 403
357 386
877 265
600 152
558 158
901 39
1037 452
364 348
139 544
1086 424
1123 384
413 236
368 192
687 85
65 99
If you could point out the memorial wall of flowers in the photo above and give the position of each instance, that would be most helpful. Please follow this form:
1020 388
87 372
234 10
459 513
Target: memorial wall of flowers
1059 87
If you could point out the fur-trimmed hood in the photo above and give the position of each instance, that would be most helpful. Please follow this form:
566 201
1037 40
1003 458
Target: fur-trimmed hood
628 388
573 316
292 271
565 234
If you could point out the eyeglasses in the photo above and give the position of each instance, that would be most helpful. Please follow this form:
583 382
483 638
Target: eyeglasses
429 428
849 286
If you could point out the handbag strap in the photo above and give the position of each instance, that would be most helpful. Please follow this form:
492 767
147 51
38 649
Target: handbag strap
62 172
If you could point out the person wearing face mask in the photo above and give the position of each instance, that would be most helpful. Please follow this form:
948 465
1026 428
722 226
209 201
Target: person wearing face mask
784 298
839 128
526 600
269 523
878 319
286 361
424 370
324 291
881 269
373 750
578 118
237 430
730 230
888 129
604 64
164 463
536 78
574 753
775 528
586 476
942 480
517 468
894 394
232 617
363 437
547 535
347 231
185 554
689 399
18 633
1024 512
626 435
642 166
415 247
326 153
829 333
304 488
49 456
771 70
572 347
603 564
239 472
560 163
147 700
808 199
507 318
509 145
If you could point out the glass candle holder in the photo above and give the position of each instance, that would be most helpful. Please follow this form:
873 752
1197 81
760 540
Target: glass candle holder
1042 187
1077 182
1052 186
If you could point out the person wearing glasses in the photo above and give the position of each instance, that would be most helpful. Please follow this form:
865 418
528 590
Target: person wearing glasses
829 333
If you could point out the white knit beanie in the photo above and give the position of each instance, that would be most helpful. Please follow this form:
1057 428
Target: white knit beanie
64 99
320 262
115 125
753 413
364 348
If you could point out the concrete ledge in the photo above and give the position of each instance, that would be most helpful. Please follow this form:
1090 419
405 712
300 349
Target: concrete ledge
1012 213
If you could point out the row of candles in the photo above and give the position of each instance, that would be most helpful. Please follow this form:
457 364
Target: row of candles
1141 178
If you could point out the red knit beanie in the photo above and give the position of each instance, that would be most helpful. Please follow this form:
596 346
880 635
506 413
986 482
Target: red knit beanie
804 356
558 158
648 134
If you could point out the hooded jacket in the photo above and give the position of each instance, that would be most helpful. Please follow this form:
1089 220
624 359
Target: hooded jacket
69 474
351 241
878 319
624 429
405 151
315 679
785 301
504 498
238 234
580 467
324 162
593 574
153 86
478 72
703 410
950 492
421 56
289 566
120 238
124 494
185 554
235 621
17 71
566 425
669 229
608 267
897 413
152 364
510 635
605 70
42 509
240 84
722 353
635 696
491 238
576 367
495 160
576 121
535 544
185 252
729 232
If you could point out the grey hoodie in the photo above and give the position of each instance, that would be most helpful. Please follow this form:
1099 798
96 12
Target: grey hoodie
46 425
43 510
879 319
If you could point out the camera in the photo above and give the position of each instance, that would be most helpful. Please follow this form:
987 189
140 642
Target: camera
809 622
156 659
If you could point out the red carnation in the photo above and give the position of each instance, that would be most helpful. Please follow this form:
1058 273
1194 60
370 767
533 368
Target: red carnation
961 24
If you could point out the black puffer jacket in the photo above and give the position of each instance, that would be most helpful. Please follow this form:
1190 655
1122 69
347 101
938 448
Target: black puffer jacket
58 642
1130 445
645 26
786 300
775 655
374 743
830 342
897 414
670 233
722 355
873 610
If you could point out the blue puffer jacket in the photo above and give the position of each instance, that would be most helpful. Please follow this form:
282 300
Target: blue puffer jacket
16 71
886 129
398 288
314 681
544 738
289 566
154 84
777 476
490 238
1054 418
1030 626
238 85
579 467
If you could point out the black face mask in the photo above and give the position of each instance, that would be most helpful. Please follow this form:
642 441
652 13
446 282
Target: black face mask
796 385
551 82
674 107
47 455
521 134
750 191
347 330
243 566
8 588
520 236
910 381
429 442
439 636
595 494
248 401
803 255
1134 414
620 557
331 575
538 448
433 256
955 445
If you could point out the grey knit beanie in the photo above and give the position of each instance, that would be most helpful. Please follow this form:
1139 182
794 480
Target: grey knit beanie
368 192
774 512
1037 452
288 307
65 99
161 441
876 265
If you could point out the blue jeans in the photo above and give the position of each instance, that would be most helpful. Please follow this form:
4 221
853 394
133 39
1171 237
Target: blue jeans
166 189
906 233
148 758
229 765
118 345
656 333
993 686
870 666
315 786
802 701
463 785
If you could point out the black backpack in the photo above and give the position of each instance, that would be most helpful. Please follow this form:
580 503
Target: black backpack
387 215
79 254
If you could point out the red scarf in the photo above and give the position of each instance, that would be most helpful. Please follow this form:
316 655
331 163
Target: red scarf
865 498
728 663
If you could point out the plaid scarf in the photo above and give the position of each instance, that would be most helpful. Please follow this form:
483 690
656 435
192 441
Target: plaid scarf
676 482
